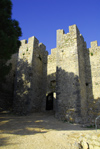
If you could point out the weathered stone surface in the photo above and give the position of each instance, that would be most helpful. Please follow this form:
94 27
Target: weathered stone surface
30 89
76 71
68 80
7 85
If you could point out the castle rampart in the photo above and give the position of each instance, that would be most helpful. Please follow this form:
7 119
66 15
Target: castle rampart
73 75
51 70
30 77
67 81
94 98
94 53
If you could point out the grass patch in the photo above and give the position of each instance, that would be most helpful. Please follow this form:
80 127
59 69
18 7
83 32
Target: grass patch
91 54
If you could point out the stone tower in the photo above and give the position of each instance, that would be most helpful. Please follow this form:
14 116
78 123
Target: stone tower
67 81
30 84
71 89
73 74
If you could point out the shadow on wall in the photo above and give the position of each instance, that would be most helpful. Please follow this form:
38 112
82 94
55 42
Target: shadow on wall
68 98
22 93
30 82
94 110
51 92
7 84
51 83
92 103
69 89
67 104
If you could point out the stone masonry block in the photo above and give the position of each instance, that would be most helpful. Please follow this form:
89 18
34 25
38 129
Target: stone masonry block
94 44
23 42
74 30
33 42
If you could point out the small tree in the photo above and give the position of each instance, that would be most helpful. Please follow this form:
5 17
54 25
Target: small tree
9 35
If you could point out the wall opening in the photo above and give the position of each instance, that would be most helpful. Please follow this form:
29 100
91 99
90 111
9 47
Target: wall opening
87 84
49 101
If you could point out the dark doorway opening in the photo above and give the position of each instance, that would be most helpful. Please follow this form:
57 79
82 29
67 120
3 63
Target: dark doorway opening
49 101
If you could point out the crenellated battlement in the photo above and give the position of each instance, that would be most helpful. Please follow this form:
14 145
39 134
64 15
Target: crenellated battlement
70 38
94 44
23 42
42 47
73 30
71 70
94 49
27 49
33 42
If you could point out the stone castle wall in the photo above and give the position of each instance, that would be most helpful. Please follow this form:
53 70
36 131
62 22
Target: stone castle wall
70 75
69 78
51 75
51 71
31 74
76 69
94 99
81 45
7 85
94 53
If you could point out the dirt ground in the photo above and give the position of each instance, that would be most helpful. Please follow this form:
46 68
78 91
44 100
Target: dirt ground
38 131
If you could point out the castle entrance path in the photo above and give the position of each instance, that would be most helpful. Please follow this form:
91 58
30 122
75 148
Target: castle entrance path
40 131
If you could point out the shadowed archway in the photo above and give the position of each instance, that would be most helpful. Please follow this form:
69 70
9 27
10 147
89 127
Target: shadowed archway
49 101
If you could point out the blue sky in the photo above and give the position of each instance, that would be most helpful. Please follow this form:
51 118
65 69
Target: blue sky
41 18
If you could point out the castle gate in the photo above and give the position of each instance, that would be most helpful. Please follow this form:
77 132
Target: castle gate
49 101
